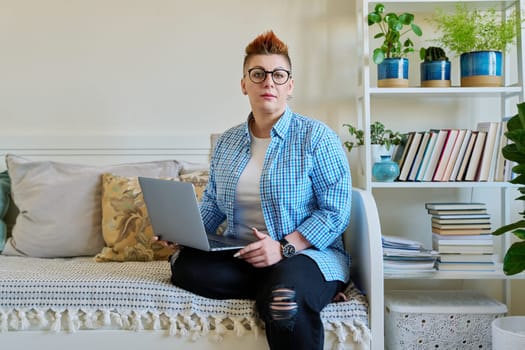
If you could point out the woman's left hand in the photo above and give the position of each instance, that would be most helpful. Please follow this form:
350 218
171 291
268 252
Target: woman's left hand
261 253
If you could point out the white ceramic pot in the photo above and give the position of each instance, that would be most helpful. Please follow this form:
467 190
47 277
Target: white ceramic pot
508 333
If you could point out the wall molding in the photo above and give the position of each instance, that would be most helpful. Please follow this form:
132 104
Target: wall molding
107 148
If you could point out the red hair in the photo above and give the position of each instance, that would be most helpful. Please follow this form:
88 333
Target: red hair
267 44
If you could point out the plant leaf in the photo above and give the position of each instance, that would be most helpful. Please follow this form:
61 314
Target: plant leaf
406 18
380 8
416 29
373 18
514 261
378 56
519 180
509 227
520 234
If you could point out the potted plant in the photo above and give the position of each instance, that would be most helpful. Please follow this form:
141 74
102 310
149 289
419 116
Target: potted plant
480 38
514 260
391 56
435 68
382 139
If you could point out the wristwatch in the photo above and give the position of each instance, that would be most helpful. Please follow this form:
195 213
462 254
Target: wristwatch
287 248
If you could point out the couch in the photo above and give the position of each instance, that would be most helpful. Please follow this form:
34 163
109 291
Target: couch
105 289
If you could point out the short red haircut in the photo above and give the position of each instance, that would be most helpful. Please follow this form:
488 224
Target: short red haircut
267 44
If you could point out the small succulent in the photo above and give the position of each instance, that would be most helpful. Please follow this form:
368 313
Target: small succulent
432 53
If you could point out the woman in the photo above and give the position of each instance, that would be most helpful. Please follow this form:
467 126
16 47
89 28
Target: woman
282 180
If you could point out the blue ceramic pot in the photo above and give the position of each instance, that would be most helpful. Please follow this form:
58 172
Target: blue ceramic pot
481 68
392 72
386 170
435 74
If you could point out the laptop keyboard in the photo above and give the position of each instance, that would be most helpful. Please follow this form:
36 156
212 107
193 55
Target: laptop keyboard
224 242
217 243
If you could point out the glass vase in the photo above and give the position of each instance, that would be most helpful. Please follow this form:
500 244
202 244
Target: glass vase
386 170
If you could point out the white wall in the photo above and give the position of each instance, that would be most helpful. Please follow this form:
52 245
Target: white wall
162 66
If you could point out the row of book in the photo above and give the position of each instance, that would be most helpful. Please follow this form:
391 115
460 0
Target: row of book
455 154
461 234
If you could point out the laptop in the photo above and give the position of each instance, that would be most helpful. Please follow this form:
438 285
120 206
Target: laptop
175 216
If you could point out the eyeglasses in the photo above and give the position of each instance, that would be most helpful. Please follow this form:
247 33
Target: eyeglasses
279 76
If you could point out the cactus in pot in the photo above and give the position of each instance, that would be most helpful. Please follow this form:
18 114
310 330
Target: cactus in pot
433 53
435 68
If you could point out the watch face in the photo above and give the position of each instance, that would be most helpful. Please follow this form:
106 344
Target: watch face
288 250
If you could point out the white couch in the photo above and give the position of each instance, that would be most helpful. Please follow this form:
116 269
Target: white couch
36 309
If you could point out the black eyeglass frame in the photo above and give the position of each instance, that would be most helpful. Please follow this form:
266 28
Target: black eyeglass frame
271 72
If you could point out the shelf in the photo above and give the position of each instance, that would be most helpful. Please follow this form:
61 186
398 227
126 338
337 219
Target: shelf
464 275
448 184
446 92
423 5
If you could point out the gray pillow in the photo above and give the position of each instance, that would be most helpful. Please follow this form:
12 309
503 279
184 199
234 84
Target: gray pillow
60 204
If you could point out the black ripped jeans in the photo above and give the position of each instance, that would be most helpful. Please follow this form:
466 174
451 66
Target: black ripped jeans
289 295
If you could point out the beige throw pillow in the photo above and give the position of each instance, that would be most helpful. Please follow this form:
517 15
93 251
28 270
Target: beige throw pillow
126 226
60 212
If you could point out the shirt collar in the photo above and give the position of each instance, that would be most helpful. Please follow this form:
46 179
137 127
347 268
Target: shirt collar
279 129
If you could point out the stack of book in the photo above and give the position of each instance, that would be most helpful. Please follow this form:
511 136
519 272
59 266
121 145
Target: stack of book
402 255
461 234
455 154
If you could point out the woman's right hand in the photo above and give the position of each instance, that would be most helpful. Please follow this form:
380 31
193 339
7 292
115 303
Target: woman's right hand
167 244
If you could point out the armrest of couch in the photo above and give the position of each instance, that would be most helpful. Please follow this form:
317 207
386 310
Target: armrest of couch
363 241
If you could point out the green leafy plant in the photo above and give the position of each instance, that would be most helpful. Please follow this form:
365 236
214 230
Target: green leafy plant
392 27
514 260
468 30
379 135
432 53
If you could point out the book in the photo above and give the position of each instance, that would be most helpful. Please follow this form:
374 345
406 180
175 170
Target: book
463 226
411 154
486 239
487 155
406 146
455 205
500 160
467 266
436 153
466 258
452 161
397 152
495 152
466 156
455 214
445 154
474 161
426 156
463 248
474 231
457 164
419 156
456 221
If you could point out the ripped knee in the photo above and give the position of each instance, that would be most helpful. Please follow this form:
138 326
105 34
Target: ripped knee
283 308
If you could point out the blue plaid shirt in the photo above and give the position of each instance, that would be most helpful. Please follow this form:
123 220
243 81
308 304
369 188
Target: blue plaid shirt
305 185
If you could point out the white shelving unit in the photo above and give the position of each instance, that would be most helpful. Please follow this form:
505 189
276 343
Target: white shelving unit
370 98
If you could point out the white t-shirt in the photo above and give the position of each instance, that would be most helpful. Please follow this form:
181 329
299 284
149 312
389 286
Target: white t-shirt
248 211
